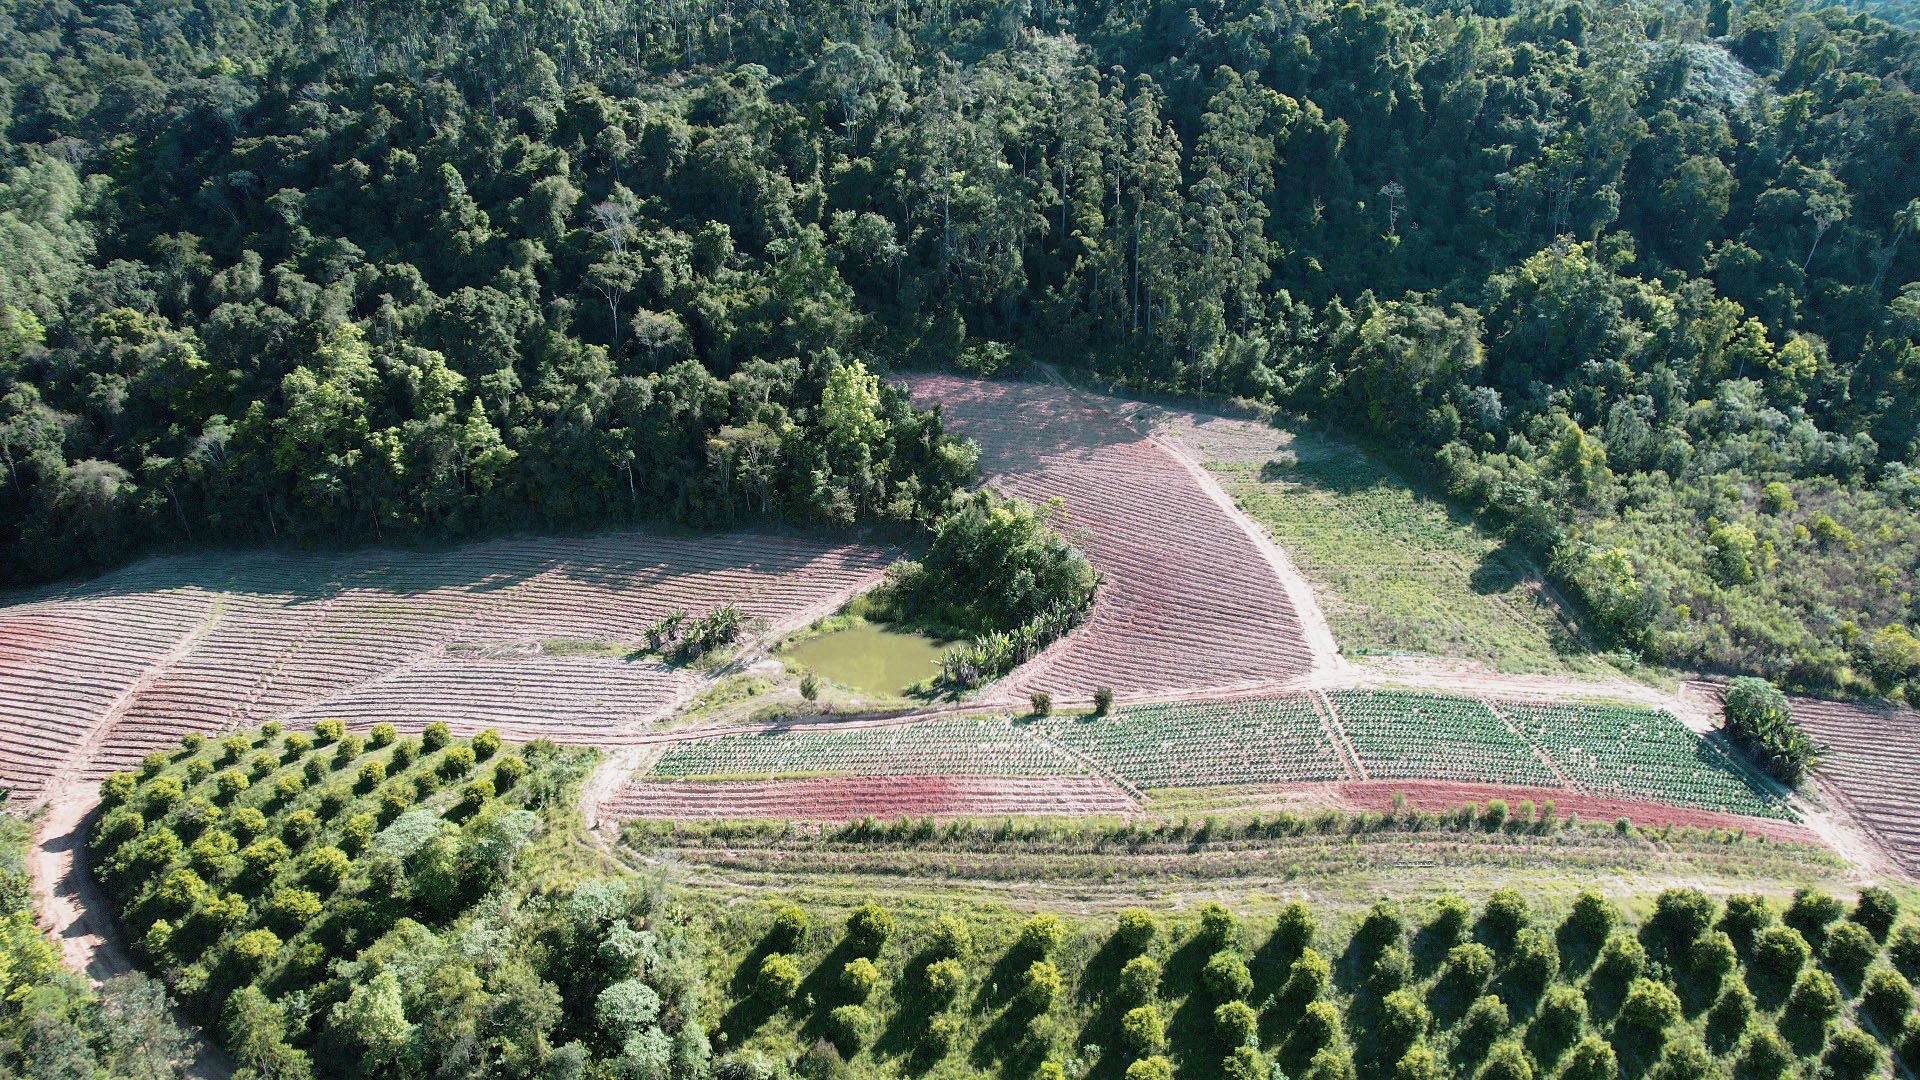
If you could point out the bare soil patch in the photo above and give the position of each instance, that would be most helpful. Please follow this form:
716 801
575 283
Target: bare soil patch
850 798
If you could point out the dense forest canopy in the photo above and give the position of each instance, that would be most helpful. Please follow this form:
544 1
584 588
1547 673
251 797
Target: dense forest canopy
1630 278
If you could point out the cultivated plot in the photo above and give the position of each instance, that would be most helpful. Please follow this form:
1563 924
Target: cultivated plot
1872 767
93 677
1191 601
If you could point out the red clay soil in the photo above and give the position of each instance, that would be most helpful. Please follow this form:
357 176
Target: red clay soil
849 798
1190 602
96 675
1440 795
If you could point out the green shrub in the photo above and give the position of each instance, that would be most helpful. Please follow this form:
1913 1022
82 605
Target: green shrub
324 867
1561 1019
198 770
358 832
228 782
382 735
1730 1014
165 793
1764 1055
1744 916
1815 1000
372 775
1295 928
1043 934
1904 950
1153 1068
778 978
1236 1024
509 771
943 1033
809 687
1307 979
117 789
1226 977
868 929
1760 719
1505 915
299 828
486 744
1592 1058
1812 912
1448 926
945 978
405 751
1318 1028
193 742
858 978
1139 980
1246 1063
1420 1063
295 745
256 947
1593 915
1041 703
1218 926
1887 998
1486 1020
327 731
1853 1054
1040 985
435 736
1506 1061
1380 927
287 786
457 762
264 856
1779 952
1135 931
248 821
349 747
1404 1020
788 929
1142 1031
1682 915
1535 960
1850 949
849 1026
294 908
1392 969
1468 969
1878 909
1650 1009
233 747
1102 701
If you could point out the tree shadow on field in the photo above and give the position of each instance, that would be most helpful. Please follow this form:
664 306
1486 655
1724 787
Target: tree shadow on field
749 1011
1502 570
824 989
1098 990
1001 1045
904 1036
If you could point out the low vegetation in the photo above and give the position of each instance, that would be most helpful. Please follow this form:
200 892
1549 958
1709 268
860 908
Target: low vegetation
1761 720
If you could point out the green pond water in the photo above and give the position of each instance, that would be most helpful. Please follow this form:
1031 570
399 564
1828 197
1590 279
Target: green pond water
871 659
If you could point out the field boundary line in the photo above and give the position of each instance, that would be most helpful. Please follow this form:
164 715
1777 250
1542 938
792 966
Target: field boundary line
1040 734
1538 750
1330 722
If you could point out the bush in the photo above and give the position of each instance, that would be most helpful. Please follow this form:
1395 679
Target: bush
1392 970
1245 1063
1815 1000
848 1026
1593 915
1381 927
1040 985
788 929
1812 912
1760 719
1139 980
1779 952
809 687
327 731
859 977
1904 950
1887 998
1468 969
486 744
1236 1024
1535 960
943 1033
228 782
1684 1058
372 775
300 828
404 752
324 867
1317 1029
1732 1011
1505 915
1043 934
1307 979
1153 1068
1102 701
1041 702
626 1008
1506 1061
1218 926
256 947
1682 915
949 937
457 762
944 980
1650 1009
1764 1055
475 795
868 929
434 737
1712 959
350 747
1592 1058
1449 924
382 736
1404 1020
1877 910
1561 1019
1420 1063
1852 1054
778 978
1295 928
1142 1032
1136 930
1745 916
509 771
296 745
1226 976
1850 949
1486 1020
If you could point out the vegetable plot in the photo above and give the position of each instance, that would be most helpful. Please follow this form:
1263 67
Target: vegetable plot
1261 741
1636 752
966 746
1402 734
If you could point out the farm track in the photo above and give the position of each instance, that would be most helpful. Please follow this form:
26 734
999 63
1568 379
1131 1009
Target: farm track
95 676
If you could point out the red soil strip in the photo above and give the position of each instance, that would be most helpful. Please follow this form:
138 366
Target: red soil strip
1440 795
1190 602
850 798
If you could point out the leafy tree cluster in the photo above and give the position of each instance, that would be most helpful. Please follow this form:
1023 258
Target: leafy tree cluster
1761 720
1696 991
1620 276
332 904
52 1022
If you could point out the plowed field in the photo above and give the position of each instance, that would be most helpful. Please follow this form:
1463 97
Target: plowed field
1872 767
94 676
1191 603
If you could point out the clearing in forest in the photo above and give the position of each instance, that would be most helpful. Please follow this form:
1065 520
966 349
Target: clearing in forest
96 675
1191 602
1396 571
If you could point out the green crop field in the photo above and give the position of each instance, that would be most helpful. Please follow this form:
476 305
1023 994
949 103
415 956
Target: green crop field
970 746
1405 735
1398 571
1264 741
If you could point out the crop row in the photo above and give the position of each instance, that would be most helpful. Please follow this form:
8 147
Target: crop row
1262 741
1639 753
1435 736
992 746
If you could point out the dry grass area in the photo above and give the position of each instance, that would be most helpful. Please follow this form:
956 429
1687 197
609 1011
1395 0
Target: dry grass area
93 676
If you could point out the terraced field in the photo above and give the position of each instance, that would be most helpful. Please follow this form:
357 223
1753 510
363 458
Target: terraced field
94 676
1191 601
1349 745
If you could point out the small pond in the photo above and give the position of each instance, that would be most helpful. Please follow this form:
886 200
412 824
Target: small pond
870 658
